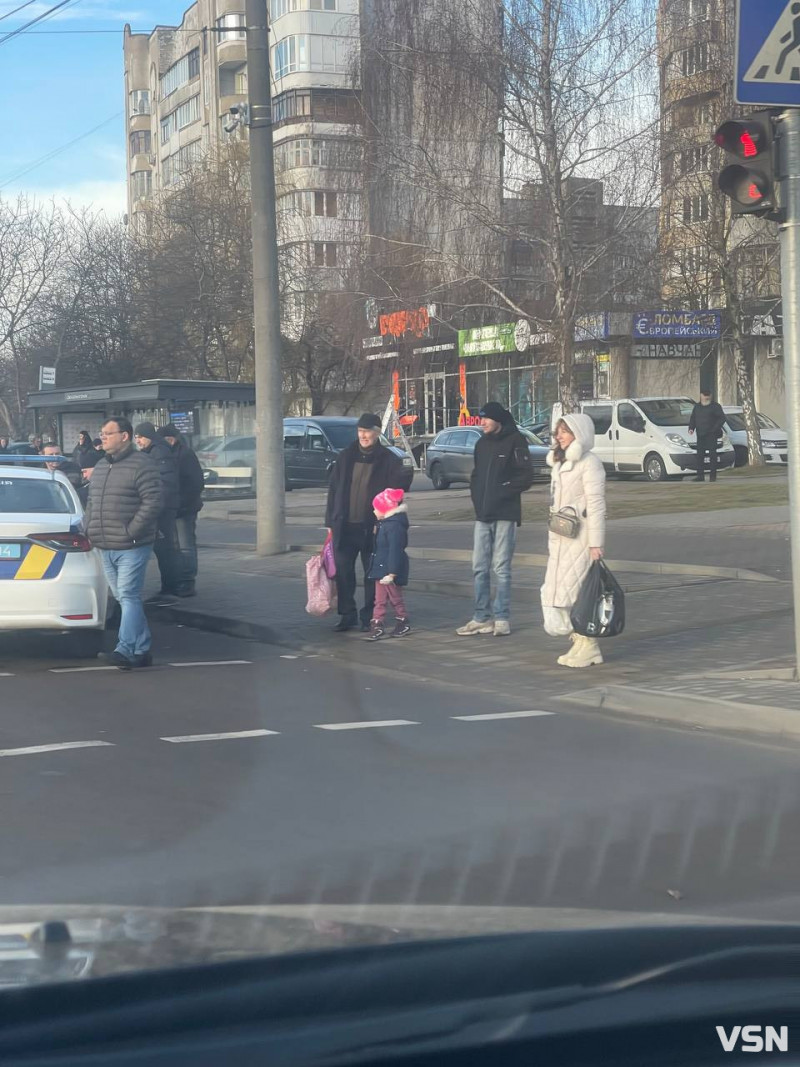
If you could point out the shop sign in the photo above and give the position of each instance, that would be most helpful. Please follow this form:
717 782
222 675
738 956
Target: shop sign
431 349
371 342
89 394
383 355
465 419
677 325
487 340
399 323
667 352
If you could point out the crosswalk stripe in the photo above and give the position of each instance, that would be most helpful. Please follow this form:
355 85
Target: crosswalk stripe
231 735
364 725
31 749
502 715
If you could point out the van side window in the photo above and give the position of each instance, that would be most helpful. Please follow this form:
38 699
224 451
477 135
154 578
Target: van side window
629 418
600 414
316 439
293 438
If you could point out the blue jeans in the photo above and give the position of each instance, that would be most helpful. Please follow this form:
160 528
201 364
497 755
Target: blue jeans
492 551
125 571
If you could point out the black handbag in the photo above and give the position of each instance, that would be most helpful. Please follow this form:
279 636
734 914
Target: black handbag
599 610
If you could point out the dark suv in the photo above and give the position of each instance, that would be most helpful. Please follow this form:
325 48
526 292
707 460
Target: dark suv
450 455
311 445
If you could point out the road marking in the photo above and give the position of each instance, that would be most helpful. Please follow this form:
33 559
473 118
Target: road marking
6 674
212 663
502 715
78 670
220 737
290 657
364 725
54 748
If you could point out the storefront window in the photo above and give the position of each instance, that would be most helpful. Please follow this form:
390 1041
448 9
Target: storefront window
522 406
546 385
498 387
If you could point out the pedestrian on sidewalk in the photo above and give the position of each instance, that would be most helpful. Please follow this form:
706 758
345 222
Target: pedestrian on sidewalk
502 472
84 454
389 567
125 499
578 491
166 545
707 420
190 502
361 471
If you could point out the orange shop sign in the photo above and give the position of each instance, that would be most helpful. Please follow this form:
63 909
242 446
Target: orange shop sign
400 323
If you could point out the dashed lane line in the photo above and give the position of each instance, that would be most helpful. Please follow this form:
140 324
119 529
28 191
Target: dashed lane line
213 663
364 725
35 749
78 670
232 735
502 715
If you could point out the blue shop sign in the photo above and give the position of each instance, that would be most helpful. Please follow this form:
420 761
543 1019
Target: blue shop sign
678 325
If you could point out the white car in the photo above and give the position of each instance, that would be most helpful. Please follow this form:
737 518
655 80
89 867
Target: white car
50 576
774 440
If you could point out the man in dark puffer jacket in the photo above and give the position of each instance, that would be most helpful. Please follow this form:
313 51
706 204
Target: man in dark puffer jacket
125 501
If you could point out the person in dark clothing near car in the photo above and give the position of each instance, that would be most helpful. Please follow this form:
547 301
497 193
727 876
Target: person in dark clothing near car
85 454
190 501
125 498
166 546
67 467
361 471
707 420
503 471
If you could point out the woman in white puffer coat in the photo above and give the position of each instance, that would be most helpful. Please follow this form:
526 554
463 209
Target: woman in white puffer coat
577 480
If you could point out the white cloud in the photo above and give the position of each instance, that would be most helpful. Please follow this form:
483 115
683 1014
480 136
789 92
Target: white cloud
107 196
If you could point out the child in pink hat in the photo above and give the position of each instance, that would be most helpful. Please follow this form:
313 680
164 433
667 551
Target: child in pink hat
389 567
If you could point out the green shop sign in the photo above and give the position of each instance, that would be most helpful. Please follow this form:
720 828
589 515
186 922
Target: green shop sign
487 340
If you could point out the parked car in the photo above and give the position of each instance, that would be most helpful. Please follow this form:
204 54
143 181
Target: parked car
774 440
228 452
51 577
450 455
311 445
647 435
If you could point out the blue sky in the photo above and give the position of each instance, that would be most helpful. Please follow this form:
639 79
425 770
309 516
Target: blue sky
57 86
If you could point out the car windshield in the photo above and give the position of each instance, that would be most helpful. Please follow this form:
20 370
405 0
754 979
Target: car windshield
32 496
735 420
667 412
531 437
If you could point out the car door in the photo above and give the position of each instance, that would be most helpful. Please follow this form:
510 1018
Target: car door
294 435
316 457
460 449
630 439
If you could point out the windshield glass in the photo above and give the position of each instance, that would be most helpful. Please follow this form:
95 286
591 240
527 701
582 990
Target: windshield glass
531 437
341 435
736 421
20 495
667 412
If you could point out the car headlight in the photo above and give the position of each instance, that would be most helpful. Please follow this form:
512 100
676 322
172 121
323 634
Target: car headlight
676 439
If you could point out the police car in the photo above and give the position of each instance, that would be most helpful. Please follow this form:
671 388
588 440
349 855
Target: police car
50 576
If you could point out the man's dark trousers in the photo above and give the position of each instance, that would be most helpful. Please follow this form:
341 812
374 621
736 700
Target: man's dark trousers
357 540
707 444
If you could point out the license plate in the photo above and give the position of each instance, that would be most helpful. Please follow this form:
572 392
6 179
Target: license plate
10 551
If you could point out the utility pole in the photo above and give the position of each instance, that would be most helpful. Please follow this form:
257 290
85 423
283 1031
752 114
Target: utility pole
789 155
270 506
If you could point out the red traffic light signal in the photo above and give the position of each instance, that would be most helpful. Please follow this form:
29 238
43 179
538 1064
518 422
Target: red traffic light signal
751 184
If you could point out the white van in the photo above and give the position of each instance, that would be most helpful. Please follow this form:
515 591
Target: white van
774 440
647 435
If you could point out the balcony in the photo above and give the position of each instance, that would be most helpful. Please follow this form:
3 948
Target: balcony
231 53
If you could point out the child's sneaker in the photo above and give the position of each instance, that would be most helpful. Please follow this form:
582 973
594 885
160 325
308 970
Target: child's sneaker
402 627
376 632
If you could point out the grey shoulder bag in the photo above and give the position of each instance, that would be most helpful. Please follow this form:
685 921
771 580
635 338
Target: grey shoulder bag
565 523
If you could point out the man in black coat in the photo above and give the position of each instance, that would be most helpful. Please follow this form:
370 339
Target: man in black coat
503 471
166 546
707 420
361 471
190 501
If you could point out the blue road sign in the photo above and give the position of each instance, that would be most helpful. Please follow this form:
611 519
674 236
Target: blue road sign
768 52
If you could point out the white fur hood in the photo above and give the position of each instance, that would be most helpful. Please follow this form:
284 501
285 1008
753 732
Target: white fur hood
583 429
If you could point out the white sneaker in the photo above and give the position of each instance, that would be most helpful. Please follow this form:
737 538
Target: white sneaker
502 628
473 627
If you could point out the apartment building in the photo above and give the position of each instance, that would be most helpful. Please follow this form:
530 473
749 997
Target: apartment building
695 41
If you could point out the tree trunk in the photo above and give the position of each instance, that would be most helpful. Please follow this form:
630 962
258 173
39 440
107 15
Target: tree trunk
755 451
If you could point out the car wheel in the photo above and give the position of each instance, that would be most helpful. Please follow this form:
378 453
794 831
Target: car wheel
437 477
87 643
655 468
741 455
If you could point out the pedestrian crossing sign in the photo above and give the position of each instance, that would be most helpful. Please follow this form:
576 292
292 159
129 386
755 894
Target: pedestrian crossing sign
768 52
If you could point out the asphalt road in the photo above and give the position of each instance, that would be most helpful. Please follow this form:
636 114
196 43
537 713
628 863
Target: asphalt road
337 785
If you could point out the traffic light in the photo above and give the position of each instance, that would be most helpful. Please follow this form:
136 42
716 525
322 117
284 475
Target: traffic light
750 183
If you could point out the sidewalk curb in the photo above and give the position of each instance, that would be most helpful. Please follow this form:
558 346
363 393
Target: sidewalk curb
704 713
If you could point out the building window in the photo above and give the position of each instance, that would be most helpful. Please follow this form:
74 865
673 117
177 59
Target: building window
285 7
521 258
324 254
290 55
695 208
322 5
141 184
692 260
231 28
337 153
180 162
181 73
140 142
699 10
325 204
139 102
291 106
182 116
705 114
240 82
694 60
311 51
694 159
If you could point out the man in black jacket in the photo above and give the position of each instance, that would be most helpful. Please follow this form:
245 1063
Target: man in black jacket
707 420
125 497
166 546
502 472
190 501
361 471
